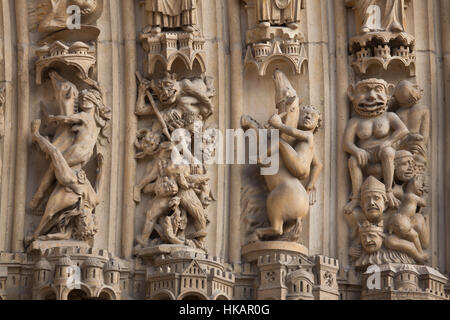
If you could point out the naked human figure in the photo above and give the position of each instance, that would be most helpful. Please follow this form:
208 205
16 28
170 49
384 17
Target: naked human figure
288 199
71 205
87 126
370 138
407 224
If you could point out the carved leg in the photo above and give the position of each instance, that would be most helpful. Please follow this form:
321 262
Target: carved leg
356 176
395 243
422 226
158 207
46 183
293 161
388 166
194 208
64 174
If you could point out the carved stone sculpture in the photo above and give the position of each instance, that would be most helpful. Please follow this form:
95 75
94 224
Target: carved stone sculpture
172 33
274 34
279 12
380 15
371 136
180 190
171 14
69 211
382 38
289 200
398 232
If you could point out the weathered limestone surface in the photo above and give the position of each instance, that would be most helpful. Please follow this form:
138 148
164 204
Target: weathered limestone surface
101 100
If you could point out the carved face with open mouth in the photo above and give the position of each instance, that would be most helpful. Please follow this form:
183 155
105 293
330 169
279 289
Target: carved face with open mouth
167 90
370 97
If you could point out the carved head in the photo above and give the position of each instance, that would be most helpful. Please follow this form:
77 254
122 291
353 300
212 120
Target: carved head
174 203
371 237
310 118
370 97
417 185
373 199
404 166
285 94
407 93
167 89
66 93
147 141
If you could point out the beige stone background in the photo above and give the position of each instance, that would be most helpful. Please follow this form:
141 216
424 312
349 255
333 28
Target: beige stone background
327 25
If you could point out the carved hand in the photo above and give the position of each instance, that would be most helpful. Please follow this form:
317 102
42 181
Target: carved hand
355 252
137 194
362 156
276 121
143 86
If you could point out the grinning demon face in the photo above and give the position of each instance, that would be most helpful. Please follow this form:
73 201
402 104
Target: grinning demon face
370 97
167 89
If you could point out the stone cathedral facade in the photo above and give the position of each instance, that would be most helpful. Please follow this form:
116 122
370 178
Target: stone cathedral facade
224 150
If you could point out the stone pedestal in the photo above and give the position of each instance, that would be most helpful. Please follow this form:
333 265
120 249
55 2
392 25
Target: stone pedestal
42 246
403 282
286 272
177 272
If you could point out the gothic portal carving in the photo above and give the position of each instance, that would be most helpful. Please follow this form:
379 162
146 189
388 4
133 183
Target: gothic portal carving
382 37
291 191
389 220
177 181
70 208
274 34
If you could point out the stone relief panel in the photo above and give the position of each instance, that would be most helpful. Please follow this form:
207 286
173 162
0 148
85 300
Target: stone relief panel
291 191
274 34
73 128
389 219
177 181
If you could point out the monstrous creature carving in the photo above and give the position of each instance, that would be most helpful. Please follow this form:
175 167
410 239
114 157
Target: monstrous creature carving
389 221
180 190
171 14
289 199
371 136
380 15
69 211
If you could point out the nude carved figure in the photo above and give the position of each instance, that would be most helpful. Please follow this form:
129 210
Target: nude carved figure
371 136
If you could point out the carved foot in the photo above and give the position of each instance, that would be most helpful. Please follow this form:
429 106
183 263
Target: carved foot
351 206
293 25
141 242
396 27
188 29
248 122
365 30
264 24
34 203
423 257
35 126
